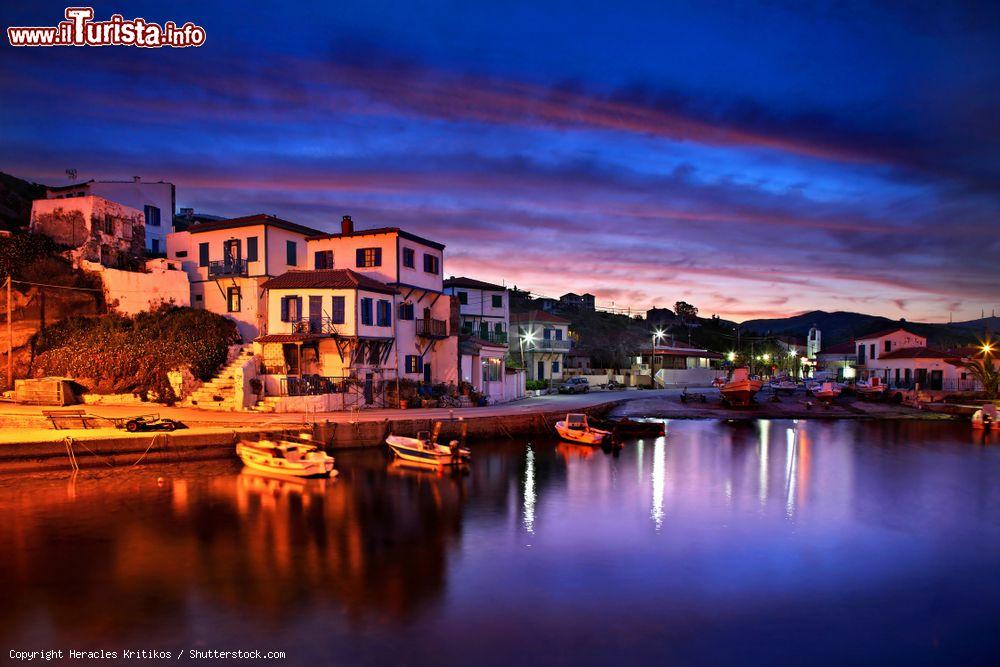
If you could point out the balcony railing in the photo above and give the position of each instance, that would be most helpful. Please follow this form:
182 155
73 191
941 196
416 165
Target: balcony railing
486 335
431 328
324 325
228 268
549 345
313 385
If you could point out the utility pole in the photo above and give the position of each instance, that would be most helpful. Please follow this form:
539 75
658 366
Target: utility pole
10 339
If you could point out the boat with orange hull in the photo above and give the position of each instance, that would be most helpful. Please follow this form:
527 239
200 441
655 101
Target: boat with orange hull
741 388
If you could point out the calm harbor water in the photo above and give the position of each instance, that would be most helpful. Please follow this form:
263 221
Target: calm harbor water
775 542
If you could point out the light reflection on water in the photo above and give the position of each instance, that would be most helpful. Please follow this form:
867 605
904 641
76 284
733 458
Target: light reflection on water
841 542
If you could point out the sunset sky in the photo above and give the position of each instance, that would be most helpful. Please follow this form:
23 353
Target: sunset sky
752 159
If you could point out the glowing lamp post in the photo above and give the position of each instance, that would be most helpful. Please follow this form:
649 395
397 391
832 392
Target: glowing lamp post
657 335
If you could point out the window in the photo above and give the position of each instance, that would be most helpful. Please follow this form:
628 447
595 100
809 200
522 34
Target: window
127 230
198 297
491 367
414 364
366 311
558 334
555 367
369 257
871 351
233 300
406 311
154 243
888 346
384 313
497 301
547 334
291 308
431 263
291 253
323 259
109 224
152 215
409 258
337 314
463 298
181 253
252 249
202 254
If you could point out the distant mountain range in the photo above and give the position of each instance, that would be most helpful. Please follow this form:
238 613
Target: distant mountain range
840 326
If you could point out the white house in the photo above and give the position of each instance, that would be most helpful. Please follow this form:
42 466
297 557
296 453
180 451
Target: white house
668 365
484 323
542 343
871 347
413 265
156 201
228 261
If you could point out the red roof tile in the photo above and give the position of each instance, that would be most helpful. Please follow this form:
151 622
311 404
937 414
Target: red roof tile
472 283
328 279
376 231
251 221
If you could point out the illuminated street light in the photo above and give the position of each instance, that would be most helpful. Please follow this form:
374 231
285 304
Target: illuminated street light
767 357
731 356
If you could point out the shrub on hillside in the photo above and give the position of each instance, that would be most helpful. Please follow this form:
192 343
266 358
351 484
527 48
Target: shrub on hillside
120 354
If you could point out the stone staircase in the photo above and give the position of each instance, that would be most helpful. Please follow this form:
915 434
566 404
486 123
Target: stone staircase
219 393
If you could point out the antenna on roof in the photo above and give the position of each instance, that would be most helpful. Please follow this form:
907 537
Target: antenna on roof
71 174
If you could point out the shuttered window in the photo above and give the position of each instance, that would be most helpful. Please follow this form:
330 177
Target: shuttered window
337 314
291 308
252 249
202 254
384 313
366 311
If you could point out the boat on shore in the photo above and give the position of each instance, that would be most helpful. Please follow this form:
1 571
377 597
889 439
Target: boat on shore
741 388
287 458
425 449
871 388
576 428
826 391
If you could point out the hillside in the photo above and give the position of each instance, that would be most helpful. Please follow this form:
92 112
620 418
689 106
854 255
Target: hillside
16 196
841 326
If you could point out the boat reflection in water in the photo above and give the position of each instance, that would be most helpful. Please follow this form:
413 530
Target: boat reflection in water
778 542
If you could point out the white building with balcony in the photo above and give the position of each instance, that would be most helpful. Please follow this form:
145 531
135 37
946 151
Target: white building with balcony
542 343
228 261
483 336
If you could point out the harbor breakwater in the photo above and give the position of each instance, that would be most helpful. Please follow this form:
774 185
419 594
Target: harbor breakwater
102 448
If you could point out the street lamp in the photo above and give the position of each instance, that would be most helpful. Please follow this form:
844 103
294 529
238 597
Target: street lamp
731 356
657 335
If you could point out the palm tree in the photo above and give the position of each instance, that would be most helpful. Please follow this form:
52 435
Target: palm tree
986 374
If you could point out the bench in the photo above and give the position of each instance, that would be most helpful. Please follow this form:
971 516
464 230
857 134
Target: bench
60 417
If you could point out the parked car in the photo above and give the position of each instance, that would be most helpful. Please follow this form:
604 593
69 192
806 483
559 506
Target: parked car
574 385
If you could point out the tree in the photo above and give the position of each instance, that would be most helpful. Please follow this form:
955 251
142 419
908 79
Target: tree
685 311
986 374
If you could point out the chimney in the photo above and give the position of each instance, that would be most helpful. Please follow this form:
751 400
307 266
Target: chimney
346 225
136 179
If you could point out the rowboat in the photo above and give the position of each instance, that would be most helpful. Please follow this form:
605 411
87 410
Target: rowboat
425 448
741 388
575 428
285 457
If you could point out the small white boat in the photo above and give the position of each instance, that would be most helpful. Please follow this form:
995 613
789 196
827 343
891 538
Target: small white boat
784 385
425 449
985 417
871 388
741 388
285 457
575 428
826 390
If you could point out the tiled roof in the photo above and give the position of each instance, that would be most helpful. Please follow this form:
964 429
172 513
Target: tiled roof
472 283
886 332
251 221
841 348
538 316
327 279
381 230
919 353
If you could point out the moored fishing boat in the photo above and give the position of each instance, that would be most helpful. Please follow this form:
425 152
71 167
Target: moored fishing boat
871 388
285 457
425 449
985 417
741 388
576 428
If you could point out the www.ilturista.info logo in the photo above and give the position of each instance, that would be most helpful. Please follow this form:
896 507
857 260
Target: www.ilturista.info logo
79 29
